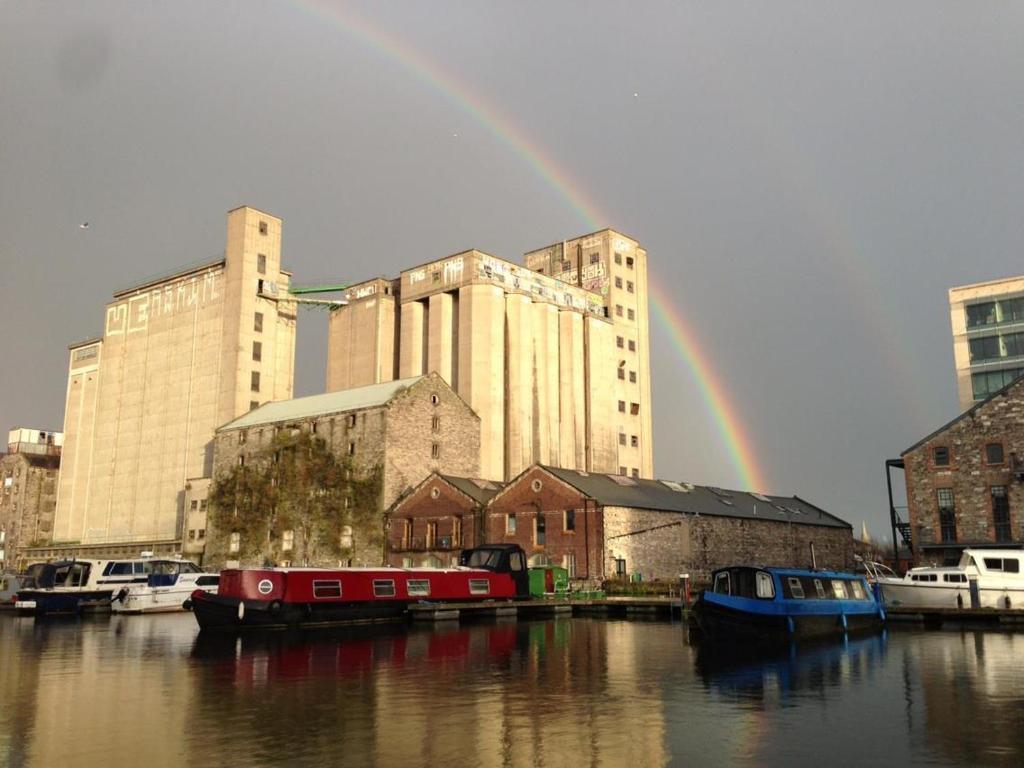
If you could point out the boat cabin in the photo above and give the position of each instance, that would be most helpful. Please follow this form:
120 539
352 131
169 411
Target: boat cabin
788 584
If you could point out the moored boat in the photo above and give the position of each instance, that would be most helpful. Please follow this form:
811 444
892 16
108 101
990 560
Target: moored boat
73 586
984 578
9 585
293 597
771 604
169 583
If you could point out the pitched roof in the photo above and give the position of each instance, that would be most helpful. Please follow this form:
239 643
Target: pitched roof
372 396
670 496
969 412
479 490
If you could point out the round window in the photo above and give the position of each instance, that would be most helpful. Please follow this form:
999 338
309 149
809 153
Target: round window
434 399
536 485
435 493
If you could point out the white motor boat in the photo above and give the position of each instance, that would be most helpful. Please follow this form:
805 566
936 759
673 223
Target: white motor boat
73 586
168 585
984 578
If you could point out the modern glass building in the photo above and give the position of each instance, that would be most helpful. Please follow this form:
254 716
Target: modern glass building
988 336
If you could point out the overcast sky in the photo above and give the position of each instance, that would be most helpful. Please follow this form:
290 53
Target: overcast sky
809 179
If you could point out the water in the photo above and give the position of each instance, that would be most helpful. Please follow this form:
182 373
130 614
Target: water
149 691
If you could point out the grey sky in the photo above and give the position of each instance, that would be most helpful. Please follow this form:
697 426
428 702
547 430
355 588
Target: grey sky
808 179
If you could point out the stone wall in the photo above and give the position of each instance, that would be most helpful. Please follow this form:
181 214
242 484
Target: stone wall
28 500
969 476
654 544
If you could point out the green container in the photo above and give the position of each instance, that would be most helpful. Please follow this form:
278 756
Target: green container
548 580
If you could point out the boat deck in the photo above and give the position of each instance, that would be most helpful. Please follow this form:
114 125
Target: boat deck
609 606
957 617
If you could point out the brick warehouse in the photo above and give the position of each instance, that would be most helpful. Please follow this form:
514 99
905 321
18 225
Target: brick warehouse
601 526
964 481
409 428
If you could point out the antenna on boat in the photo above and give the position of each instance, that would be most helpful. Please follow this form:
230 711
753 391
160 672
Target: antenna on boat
814 561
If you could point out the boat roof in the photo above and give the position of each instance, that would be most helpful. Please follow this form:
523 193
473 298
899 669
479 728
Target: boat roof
784 571
382 569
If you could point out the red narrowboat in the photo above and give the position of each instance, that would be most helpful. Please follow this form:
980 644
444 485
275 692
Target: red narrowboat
294 597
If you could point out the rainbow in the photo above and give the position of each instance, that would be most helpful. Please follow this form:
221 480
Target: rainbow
684 338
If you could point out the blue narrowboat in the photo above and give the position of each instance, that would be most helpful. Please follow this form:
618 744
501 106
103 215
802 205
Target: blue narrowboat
753 603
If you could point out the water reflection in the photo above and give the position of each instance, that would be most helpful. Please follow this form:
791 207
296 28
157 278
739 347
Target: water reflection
563 692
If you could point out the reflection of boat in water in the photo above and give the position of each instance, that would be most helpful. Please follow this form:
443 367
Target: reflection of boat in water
168 585
984 578
750 669
777 604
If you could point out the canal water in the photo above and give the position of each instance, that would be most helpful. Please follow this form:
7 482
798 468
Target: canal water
150 691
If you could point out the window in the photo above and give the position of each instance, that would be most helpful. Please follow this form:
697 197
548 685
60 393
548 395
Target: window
569 521
350 420
569 563
981 314
456 531
765 587
634 441
479 587
435 424
235 542
635 473
540 529
629 286
351 449
622 373
241 460
287 541
839 589
418 587
257 351
201 533
632 377
622 438
629 262
595 258
324 589
242 437
195 504
618 310
631 314
1001 513
819 588
619 341
257 322
632 346
383 587
566 266
618 258
984 348
263 227
947 515
431 534
994 453
796 589
721 581
984 384
618 282
254 404
510 523
254 383
345 540
435 451
406 533
622 471
261 263
940 456
858 590
634 408
622 406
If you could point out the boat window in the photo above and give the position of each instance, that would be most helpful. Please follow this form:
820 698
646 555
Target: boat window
208 581
819 588
119 569
418 587
722 584
1011 565
858 590
516 561
796 589
479 587
327 589
485 558
382 587
765 587
142 568
955 577
839 589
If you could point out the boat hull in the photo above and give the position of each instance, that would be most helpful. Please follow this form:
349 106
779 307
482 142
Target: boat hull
903 594
721 622
43 602
221 612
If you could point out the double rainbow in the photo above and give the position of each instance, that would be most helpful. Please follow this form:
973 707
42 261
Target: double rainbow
735 437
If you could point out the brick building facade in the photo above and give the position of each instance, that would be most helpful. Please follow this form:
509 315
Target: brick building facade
603 527
407 429
965 481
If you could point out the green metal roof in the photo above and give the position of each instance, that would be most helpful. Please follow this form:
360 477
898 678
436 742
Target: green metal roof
318 405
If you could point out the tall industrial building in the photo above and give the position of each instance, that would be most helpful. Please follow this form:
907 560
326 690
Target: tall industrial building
988 336
180 355
553 356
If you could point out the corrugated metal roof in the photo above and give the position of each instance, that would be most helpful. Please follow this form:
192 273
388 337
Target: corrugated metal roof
317 405
620 491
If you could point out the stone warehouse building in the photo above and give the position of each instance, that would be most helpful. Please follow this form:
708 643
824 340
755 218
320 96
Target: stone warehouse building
409 428
602 526
180 355
965 481
28 493
553 356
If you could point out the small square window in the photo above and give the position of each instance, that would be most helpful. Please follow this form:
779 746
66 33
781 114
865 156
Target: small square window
202 505
618 282
261 263
629 286
241 460
618 258
940 456
254 383
632 346
622 438
566 266
635 473
622 373
634 408
510 522
254 404
994 453
351 449
264 228
622 470
632 376
257 351
595 258
631 314
195 504
634 441
618 310
350 420
629 262
257 322
234 543
622 406
202 533
619 341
